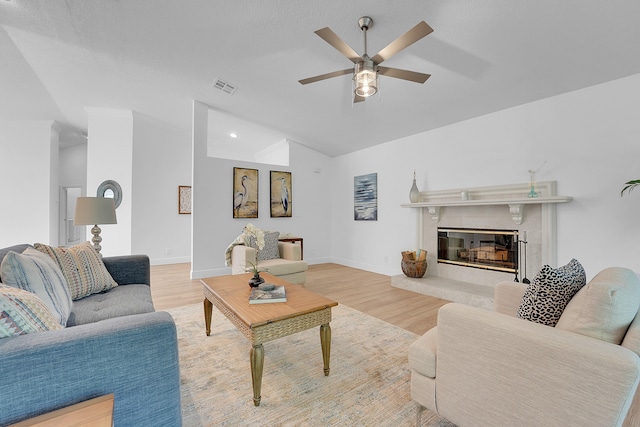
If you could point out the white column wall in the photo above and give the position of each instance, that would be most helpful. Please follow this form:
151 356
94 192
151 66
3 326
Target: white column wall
110 157
29 211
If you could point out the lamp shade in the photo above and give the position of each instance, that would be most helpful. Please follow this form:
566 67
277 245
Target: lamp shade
94 211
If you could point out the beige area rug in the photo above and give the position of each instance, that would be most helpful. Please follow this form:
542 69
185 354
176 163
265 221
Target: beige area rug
368 384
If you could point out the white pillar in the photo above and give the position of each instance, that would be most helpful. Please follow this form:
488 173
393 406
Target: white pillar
110 157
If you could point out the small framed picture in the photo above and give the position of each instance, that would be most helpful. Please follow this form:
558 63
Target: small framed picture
281 203
245 193
184 199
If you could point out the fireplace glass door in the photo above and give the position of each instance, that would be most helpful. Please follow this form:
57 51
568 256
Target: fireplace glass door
486 249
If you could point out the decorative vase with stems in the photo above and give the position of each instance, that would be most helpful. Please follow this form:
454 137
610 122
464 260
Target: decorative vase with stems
250 231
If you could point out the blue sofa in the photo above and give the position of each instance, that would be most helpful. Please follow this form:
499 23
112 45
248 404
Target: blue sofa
114 342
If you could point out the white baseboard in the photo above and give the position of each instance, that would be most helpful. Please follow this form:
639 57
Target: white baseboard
164 261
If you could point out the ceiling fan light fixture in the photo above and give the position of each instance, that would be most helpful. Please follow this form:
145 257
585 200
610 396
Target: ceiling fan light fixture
365 78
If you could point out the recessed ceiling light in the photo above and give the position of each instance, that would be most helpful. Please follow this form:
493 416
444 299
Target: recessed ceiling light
233 135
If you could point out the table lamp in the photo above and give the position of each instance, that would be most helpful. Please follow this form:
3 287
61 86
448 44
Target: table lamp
94 211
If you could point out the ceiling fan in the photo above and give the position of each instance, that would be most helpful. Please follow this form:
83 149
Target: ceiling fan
366 70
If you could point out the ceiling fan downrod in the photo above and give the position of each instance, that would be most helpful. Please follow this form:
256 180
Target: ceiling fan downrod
365 23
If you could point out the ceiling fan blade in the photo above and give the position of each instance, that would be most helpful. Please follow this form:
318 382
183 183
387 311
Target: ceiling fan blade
332 38
358 98
404 74
325 76
407 39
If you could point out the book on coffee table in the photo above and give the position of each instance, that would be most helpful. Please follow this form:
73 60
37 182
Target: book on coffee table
258 296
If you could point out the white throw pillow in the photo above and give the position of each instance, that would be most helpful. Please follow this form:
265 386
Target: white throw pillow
605 307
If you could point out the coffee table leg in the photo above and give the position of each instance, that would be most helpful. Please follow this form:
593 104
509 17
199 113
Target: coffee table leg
257 362
325 342
207 315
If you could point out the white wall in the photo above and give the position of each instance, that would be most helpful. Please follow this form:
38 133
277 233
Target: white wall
73 166
161 162
213 224
29 175
589 139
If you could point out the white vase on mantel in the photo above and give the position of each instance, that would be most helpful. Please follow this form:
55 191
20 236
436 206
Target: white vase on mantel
414 193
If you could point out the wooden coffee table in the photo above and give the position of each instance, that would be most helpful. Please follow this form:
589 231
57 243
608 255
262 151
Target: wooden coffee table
261 323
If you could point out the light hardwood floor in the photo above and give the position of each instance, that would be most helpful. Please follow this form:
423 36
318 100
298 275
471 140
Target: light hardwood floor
364 291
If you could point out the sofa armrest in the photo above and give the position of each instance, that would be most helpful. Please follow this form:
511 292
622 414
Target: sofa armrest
242 256
129 269
290 251
510 371
135 357
507 297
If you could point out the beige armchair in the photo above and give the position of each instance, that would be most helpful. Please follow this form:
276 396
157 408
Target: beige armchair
289 266
483 368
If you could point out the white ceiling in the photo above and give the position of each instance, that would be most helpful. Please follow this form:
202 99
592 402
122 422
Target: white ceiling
156 56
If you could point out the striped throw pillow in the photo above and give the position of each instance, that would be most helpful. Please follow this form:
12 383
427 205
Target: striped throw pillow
35 272
23 312
82 267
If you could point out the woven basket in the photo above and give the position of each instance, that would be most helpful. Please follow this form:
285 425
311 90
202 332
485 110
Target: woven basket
412 268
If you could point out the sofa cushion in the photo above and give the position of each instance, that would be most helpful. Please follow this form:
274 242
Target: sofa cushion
551 290
82 268
280 267
422 353
270 250
23 312
121 301
605 307
36 272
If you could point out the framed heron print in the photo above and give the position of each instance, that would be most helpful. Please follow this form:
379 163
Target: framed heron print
245 193
365 197
281 203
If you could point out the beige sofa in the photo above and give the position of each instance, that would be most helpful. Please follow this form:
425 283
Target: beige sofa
289 266
484 368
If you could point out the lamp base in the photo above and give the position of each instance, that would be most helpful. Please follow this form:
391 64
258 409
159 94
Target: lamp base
95 230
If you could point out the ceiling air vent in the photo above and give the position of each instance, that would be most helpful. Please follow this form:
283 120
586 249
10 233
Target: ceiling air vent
224 86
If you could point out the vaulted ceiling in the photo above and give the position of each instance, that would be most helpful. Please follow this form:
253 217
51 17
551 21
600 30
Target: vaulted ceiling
156 56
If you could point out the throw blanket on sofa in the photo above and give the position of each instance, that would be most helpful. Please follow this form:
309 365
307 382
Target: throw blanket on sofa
227 254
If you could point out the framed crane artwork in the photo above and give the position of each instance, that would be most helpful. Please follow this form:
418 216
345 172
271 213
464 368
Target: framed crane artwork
281 206
245 193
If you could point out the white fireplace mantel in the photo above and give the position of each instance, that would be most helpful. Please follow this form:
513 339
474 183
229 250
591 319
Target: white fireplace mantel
513 196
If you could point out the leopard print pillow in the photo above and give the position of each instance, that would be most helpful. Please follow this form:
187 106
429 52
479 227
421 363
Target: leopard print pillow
551 290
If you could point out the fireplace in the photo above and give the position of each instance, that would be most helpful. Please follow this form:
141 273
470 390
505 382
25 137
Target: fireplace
479 248
507 214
